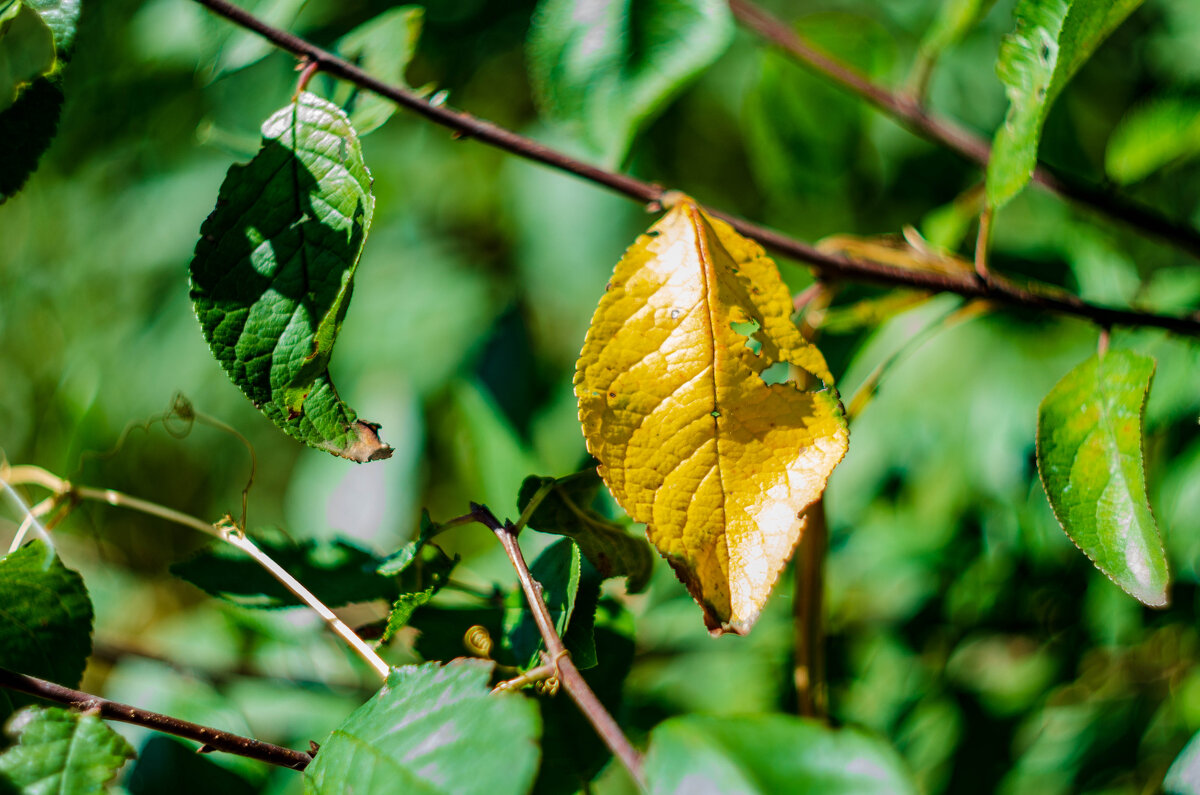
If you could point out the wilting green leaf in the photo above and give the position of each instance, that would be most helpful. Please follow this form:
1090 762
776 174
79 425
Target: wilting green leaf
605 68
566 510
558 571
383 47
45 620
1052 40
769 754
274 270
1089 455
1151 136
62 753
419 583
337 571
432 729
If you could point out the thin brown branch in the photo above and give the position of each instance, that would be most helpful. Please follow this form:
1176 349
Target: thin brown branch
556 653
953 136
808 606
209 738
827 265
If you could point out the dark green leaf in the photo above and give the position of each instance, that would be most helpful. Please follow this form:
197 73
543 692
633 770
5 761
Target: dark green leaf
383 48
1152 136
1052 40
444 631
1089 455
606 68
45 620
769 754
62 752
558 571
337 571
274 270
432 729
419 583
566 510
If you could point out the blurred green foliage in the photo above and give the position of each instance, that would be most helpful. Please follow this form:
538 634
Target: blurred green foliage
963 625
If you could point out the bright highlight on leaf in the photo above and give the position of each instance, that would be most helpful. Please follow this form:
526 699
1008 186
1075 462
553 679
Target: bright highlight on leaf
274 269
691 440
62 752
1052 40
1089 455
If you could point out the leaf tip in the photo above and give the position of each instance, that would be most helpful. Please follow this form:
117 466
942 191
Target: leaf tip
364 445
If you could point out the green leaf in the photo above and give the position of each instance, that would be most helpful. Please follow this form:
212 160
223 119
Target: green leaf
954 20
769 754
1153 135
605 68
432 729
399 560
566 510
383 47
26 52
32 120
1183 777
558 570
238 48
1052 40
1089 455
62 753
61 16
45 620
274 270
419 583
337 571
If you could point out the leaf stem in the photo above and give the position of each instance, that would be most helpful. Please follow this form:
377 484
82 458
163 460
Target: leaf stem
910 112
225 530
210 738
556 652
812 699
828 265
982 243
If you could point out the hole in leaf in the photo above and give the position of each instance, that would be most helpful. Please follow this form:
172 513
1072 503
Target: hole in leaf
777 373
747 330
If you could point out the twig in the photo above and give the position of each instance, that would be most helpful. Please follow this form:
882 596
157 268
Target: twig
556 653
225 530
210 738
965 143
808 615
982 244
828 265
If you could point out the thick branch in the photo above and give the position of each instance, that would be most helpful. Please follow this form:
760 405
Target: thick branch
212 739
556 653
828 266
953 136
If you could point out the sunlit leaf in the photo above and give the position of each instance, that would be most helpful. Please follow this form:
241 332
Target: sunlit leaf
769 754
606 67
419 583
383 48
274 270
337 571
691 440
432 729
1089 456
1052 40
62 752
566 510
26 52
1152 136
45 620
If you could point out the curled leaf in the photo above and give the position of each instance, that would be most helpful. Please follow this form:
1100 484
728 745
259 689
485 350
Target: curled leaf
1089 456
691 439
274 270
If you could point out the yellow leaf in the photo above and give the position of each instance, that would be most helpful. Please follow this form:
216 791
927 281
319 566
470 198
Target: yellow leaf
910 251
691 440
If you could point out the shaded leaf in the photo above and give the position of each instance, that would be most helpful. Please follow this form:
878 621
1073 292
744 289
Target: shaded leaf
558 569
61 16
432 729
769 754
32 120
566 510
238 48
1052 40
62 752
337 571
45 620
1089 455
606 67
26 52
1153 135
419 583
383 48
691 440
444 631
274 270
